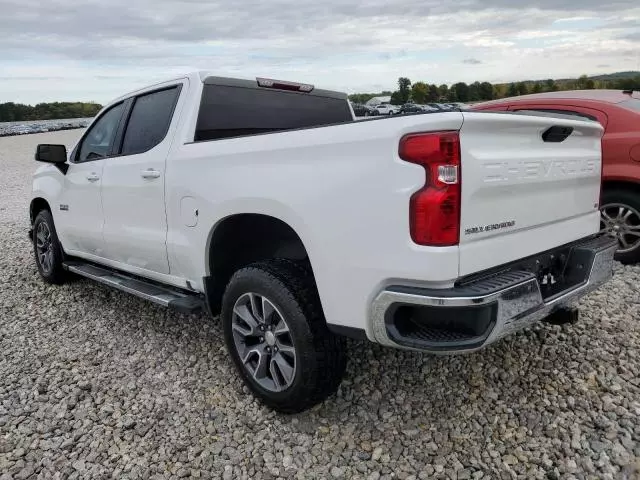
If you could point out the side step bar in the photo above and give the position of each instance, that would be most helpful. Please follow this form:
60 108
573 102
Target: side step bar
173 298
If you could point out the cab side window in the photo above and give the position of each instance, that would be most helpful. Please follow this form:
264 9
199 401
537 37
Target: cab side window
98 141
149 120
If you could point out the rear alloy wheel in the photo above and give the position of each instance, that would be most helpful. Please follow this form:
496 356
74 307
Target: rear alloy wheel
277 336
263 340
620 218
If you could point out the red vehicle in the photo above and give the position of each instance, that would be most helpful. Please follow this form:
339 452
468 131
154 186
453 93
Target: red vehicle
619 113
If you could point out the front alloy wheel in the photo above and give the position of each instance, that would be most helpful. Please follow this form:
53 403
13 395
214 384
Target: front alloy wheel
47 249
263 341
44 249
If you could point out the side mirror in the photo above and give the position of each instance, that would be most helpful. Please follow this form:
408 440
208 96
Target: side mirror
51 153
56 154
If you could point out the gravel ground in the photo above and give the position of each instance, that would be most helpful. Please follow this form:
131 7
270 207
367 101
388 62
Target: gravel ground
97 384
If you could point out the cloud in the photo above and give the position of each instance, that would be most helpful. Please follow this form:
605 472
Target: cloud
101 47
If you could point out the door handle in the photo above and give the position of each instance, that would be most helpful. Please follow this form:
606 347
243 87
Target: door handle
150 173
93 177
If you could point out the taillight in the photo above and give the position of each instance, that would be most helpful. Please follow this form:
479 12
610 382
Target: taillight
435 208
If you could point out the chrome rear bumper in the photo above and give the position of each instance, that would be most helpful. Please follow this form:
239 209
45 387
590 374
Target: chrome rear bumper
469 317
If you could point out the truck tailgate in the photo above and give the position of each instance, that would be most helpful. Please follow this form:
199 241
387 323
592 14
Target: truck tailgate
526 186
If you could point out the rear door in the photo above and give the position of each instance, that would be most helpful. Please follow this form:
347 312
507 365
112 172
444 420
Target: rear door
133 184
524 190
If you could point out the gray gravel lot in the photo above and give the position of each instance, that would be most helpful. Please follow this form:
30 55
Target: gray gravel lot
98 384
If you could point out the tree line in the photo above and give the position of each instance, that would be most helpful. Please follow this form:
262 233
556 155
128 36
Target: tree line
422 92
17 112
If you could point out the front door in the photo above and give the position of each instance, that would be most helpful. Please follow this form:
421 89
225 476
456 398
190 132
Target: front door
80 215
133 183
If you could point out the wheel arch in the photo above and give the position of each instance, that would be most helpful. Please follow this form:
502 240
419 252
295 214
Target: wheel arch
37 204
240 239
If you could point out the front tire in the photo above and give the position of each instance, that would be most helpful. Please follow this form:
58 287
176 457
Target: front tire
620 218
277 336
47 249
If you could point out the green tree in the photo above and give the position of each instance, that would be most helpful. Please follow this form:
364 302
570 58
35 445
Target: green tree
486 91
434 93
15 112
522 88
512 91
584 82
452 95
537 88
499 91
396 98
443 92
404 89
474 92
462 92
419 92
550 85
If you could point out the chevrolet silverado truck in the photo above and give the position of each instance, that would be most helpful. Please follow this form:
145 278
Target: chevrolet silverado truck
264 203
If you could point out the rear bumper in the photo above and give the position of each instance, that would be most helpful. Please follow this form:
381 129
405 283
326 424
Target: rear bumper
477 312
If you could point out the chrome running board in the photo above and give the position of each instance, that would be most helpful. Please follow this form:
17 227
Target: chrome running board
174 298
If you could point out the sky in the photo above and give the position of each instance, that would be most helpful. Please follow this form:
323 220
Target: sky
66 50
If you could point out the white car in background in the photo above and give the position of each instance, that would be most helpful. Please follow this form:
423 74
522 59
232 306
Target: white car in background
387 109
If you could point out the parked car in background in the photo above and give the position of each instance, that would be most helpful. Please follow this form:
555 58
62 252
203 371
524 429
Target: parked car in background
361 110
619 113
411 108
387 109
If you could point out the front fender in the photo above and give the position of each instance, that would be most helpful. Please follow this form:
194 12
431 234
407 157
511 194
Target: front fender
47 185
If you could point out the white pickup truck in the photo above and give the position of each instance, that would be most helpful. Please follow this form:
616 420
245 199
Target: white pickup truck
264 202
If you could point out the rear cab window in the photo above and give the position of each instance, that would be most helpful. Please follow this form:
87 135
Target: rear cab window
241 108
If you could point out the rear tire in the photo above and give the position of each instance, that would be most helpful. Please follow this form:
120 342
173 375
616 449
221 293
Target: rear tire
620 217
288 371
47 249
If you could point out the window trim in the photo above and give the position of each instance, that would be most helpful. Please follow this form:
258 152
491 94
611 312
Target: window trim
73 158
124 125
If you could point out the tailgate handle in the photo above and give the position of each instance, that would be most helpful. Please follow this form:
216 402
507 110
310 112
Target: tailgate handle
557 134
